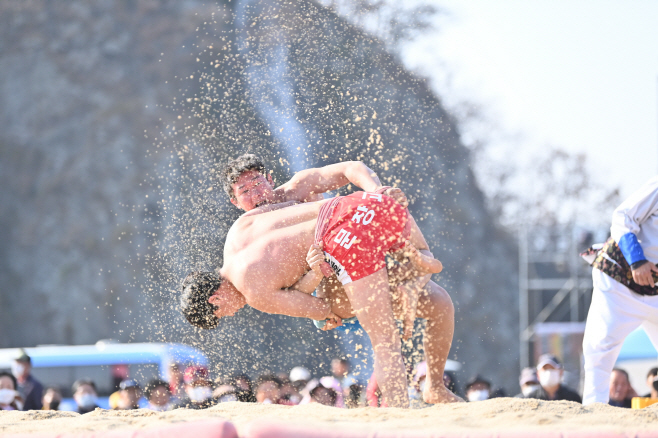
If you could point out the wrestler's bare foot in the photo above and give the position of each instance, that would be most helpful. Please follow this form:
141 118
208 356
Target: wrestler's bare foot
441 395
423 263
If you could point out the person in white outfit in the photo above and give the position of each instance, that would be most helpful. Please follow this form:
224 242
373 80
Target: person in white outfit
625 296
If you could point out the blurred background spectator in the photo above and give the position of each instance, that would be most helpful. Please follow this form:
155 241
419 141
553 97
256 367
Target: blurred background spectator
373 394
350 390
300 377
176 384
244 387
340 369
323 395
288 394
332 383
198 388
158 395
119 373
10 399
528 381
267 389
550 371
418 383
52 397
450 381
30 389
224 390
85 395
129 394
621 391
651 376
477 389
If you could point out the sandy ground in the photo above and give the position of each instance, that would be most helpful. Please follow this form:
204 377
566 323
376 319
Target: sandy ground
503 414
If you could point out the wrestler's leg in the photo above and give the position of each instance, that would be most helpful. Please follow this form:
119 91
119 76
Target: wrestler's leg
407 294
435 305
371 301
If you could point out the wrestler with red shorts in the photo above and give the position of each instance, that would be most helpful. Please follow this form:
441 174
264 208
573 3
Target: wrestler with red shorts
264 261
357 231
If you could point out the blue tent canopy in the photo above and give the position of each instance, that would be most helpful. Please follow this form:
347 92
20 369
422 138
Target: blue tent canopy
103 353
637 346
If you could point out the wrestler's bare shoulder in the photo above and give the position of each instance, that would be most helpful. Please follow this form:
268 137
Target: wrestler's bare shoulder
274 212
270 207
250 228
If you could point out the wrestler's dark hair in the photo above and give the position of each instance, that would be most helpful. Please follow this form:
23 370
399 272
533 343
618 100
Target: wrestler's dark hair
236 167
197 288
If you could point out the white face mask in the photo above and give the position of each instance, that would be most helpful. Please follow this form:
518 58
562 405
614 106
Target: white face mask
478 395
229 398
199 394
7 396
17 369
549 378
86 401
527 390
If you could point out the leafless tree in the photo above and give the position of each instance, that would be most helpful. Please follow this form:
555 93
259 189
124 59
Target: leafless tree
392 21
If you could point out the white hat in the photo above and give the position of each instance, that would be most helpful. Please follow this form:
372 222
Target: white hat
299 373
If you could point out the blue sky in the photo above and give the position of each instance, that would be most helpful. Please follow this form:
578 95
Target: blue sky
581 75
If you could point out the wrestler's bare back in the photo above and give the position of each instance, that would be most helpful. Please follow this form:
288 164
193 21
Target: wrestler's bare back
267 250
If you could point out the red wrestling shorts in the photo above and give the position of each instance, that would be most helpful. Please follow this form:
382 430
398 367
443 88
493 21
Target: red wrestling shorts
358 230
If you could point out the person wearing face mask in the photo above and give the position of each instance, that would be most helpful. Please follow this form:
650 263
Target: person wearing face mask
30 388
52 397
478 389
85 395
528 381
10 399
198 388
550 371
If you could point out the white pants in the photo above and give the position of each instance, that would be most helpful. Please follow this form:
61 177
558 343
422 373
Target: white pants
615 312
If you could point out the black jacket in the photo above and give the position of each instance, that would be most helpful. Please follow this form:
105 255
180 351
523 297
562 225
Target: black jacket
32 391
563 393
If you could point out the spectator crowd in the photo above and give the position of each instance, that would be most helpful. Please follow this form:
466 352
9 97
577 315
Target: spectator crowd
193 387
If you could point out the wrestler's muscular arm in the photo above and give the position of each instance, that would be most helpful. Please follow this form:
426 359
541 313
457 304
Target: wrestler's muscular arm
289 302
417 250
312 278
306 185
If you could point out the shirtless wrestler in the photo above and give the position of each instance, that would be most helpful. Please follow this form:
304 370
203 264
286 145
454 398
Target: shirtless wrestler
250 187
264 256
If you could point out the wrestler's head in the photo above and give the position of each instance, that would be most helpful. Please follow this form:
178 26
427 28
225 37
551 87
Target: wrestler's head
247 183
207 297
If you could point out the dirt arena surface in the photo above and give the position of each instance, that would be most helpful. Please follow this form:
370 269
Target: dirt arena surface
511 415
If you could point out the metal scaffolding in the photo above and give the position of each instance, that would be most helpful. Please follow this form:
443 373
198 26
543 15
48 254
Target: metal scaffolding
555 284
